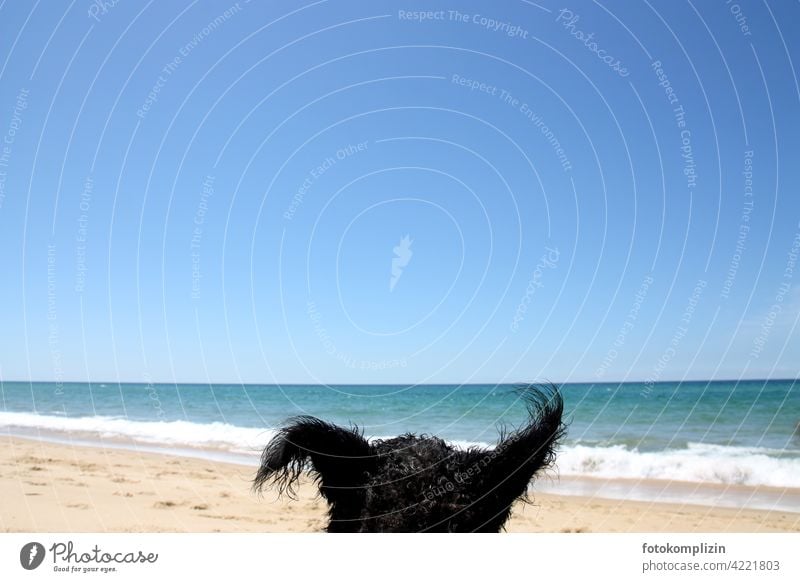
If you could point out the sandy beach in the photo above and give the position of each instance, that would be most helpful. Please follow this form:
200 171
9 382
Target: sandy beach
46 487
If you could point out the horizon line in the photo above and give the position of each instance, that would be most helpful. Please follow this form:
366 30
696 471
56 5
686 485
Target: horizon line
558 384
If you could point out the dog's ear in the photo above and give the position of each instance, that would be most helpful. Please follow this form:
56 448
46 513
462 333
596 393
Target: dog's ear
525 452
340 457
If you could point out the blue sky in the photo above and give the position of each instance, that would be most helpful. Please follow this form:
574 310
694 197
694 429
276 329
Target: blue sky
221 191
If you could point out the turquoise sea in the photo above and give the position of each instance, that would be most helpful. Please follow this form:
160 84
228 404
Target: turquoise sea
724 433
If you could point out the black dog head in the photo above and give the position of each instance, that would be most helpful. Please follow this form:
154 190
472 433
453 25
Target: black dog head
415 484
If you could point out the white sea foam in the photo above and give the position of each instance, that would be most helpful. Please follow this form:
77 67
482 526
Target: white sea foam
176 433
700 463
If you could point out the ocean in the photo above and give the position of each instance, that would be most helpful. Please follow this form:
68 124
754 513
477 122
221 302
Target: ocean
720 433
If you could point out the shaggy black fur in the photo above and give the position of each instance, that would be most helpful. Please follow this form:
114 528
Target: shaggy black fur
411 483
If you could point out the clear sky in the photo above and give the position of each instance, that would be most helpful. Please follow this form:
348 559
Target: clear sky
360 192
